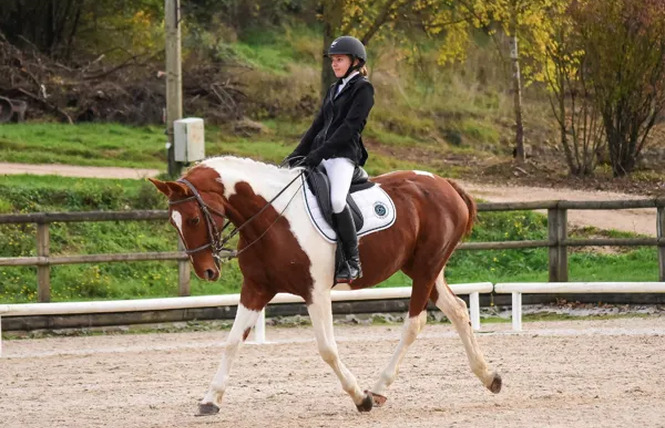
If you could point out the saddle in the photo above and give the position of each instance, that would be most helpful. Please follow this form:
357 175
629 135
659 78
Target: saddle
319 185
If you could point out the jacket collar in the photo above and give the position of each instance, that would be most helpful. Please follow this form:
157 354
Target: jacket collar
351 80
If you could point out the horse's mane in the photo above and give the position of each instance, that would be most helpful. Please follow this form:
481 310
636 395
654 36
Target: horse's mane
245 164
247 168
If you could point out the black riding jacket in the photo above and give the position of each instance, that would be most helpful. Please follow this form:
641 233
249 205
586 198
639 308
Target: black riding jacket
335 133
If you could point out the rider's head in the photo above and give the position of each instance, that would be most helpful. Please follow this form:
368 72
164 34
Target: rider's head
347 54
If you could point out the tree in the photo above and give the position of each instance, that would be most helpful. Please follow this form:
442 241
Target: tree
359 18
49 25
624 44
571 97
523 21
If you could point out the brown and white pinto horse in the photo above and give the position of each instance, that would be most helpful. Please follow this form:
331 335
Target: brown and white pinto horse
279 250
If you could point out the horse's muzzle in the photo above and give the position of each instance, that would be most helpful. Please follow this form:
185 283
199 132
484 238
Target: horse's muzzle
210 275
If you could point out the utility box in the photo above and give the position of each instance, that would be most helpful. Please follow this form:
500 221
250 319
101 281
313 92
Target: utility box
188 141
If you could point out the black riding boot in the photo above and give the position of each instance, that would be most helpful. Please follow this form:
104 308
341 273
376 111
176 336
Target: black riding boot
350 269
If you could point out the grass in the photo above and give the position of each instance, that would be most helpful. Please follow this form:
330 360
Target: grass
84 144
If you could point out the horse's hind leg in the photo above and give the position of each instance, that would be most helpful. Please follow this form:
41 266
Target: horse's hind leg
244 321
320 313
413 325
455 309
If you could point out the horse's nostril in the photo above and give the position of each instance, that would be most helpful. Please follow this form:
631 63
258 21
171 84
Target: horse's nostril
210 274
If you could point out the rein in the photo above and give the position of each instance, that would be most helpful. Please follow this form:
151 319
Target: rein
217 242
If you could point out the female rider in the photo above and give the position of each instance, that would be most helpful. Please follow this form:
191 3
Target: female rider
334 141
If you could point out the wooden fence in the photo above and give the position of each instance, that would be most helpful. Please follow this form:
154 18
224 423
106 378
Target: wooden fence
557 241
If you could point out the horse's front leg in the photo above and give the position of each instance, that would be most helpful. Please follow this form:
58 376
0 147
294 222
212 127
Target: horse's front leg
249 308
413 325
320 313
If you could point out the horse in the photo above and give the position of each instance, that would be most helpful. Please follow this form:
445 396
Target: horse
279 251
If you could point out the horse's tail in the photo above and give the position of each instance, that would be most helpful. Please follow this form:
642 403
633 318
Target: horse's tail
470 203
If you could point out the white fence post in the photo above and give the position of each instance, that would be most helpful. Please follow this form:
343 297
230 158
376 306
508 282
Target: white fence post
517 311
474 308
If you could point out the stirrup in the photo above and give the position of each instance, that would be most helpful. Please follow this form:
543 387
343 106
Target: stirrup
344 275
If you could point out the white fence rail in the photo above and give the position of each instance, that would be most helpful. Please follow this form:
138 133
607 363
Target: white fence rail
519 288
70 308
473 290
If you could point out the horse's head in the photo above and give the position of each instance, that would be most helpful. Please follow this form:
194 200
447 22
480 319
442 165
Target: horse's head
198 216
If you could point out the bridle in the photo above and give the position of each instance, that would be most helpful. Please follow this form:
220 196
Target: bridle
216 242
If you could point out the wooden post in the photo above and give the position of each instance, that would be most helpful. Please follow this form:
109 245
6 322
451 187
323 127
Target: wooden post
43 271
517 87
184 271
660 233
557 231
173 78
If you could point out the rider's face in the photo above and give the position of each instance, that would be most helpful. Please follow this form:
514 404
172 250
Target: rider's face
340 63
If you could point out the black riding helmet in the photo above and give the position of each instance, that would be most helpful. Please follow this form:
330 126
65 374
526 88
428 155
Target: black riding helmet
348 45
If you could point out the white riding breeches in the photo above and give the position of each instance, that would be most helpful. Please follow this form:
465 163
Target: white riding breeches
340 173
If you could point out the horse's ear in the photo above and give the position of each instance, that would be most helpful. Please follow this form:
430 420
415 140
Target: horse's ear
162 186
170 188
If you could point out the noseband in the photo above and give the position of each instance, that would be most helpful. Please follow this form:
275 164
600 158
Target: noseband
216 241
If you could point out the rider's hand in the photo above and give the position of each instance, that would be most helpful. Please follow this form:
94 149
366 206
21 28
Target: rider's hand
292 161
313 159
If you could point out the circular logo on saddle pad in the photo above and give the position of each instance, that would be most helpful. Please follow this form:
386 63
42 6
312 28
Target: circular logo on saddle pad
380 209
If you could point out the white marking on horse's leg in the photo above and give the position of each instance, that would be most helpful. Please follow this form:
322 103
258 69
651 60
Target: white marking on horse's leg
412 328
244 320
455 309
320 313
342 287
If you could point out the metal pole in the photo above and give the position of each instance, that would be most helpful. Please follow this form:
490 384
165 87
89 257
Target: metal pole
173 78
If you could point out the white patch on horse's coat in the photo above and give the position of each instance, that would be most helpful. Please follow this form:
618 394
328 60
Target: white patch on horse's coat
267 181
418 172
177 220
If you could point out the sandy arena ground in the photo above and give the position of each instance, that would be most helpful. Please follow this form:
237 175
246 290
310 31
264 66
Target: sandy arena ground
556 374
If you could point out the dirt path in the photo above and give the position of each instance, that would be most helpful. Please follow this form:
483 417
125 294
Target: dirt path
556 374
75 171
642 221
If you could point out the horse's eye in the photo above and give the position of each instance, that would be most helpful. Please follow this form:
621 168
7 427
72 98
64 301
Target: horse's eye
194 221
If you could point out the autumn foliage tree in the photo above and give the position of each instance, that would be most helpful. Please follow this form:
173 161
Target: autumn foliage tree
564 70
624 53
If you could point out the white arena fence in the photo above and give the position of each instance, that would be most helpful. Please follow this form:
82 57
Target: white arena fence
519 288
472 289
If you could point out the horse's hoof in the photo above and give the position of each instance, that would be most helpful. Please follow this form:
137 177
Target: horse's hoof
207 409
367 403
379 400
495 387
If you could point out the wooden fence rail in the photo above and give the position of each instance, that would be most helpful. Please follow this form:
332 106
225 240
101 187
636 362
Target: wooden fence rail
557 241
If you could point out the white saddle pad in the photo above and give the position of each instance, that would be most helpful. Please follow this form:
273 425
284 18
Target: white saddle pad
377 208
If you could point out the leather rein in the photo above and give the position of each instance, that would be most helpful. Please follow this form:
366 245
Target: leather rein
216 241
